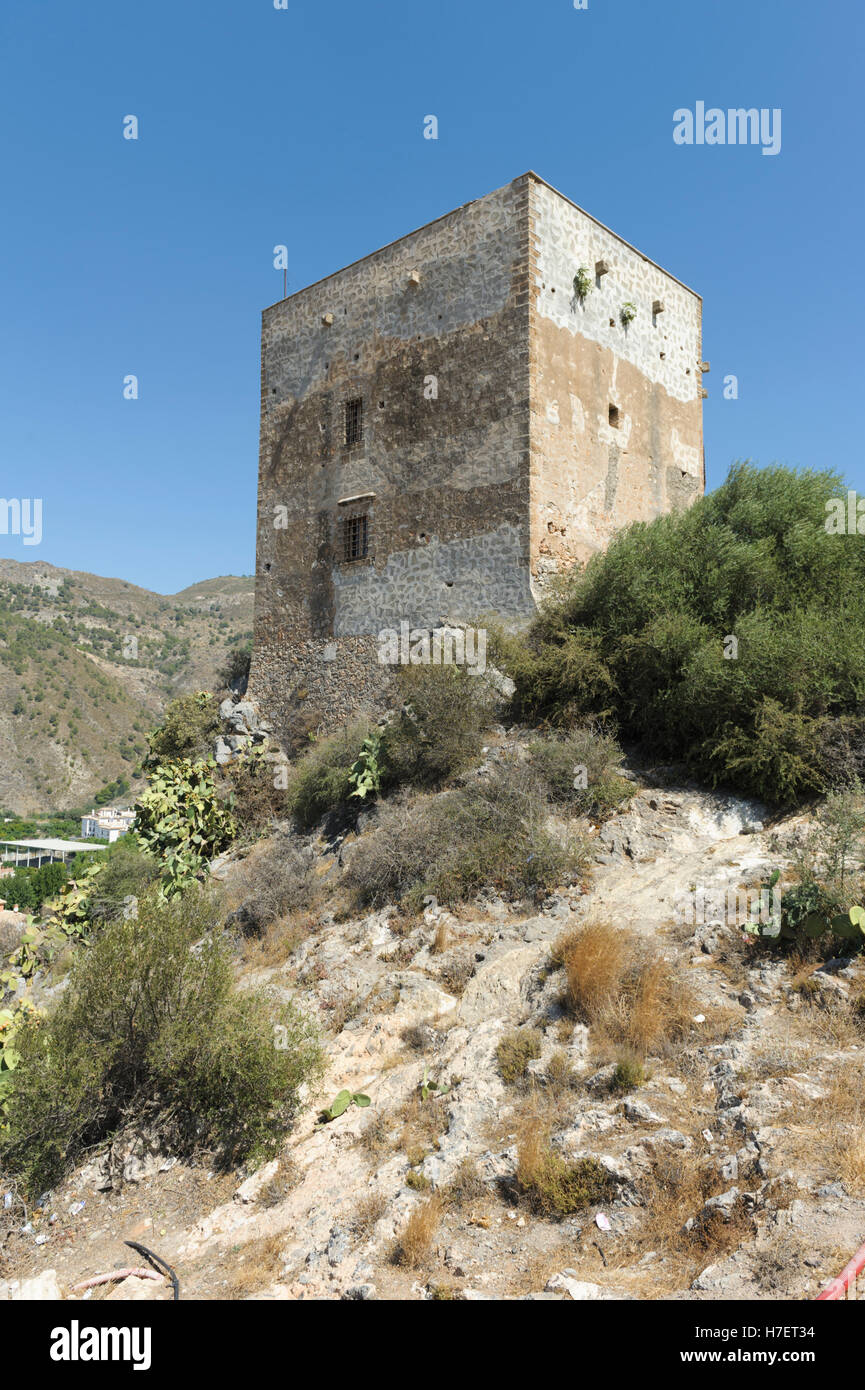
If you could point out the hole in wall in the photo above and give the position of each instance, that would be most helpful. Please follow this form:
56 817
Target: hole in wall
614 416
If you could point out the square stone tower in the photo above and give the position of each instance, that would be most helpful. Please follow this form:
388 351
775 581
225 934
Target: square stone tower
451 420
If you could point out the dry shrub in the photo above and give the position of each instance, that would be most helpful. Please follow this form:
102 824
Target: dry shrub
375 1137
415 1242
272 882
632 999
369 1210
275 1191
675 1191
423 1121
441 940
455 974
466 1188
260 1264
839 1119
278 942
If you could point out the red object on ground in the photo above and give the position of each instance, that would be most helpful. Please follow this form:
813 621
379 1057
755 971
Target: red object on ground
838 1287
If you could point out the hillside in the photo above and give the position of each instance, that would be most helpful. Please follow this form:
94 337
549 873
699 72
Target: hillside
88 664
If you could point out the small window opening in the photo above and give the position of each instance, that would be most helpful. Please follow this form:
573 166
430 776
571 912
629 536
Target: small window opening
614 416
354 421
355 534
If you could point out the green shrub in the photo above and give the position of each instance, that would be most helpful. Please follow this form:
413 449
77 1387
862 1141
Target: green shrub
514 1052
640 635
125 870
564 760
188 730
321 780
492 832
440 727
152 1026
234 672
629 1075
554 1186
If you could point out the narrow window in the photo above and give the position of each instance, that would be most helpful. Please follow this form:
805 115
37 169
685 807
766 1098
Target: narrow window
354 421
355 533
614 416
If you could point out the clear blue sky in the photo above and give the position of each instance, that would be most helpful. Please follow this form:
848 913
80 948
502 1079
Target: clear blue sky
304 126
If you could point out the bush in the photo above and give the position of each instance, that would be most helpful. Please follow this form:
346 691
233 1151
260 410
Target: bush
152 1026
440 727
585 754
492 832
640 636
246 787
188 730
125 870
320 782
234 672
276 881
553 1186
514 1052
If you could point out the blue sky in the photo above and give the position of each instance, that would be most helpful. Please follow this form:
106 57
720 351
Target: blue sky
304 126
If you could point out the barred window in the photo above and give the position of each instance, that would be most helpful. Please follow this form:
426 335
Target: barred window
355 535
354 421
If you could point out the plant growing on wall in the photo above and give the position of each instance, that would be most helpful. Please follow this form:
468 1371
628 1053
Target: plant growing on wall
627 313
582 284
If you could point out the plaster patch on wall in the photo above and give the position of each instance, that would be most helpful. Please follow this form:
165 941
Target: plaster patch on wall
428 584
687 457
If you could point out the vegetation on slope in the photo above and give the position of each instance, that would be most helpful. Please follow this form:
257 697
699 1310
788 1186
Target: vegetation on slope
730 637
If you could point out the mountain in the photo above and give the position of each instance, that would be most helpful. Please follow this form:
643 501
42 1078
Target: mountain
88 664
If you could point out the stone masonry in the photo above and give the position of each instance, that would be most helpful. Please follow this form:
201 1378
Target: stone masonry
446 423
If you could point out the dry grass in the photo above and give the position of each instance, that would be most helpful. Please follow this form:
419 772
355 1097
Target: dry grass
423 1121
630 998
839 1120
674 1192
416 1241
260 1264
368 1212
278 942
441 940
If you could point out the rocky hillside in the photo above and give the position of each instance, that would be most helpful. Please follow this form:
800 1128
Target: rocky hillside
507 1150
87 666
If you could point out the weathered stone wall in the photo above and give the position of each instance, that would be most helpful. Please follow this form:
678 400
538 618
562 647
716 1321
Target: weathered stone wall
488 457
442 473
590 477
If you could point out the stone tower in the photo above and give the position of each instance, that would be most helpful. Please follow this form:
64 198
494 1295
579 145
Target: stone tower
451 420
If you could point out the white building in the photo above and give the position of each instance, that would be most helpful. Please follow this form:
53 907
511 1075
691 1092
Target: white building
108 823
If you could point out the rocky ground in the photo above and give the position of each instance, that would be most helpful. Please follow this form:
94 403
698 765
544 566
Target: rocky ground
416 1198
